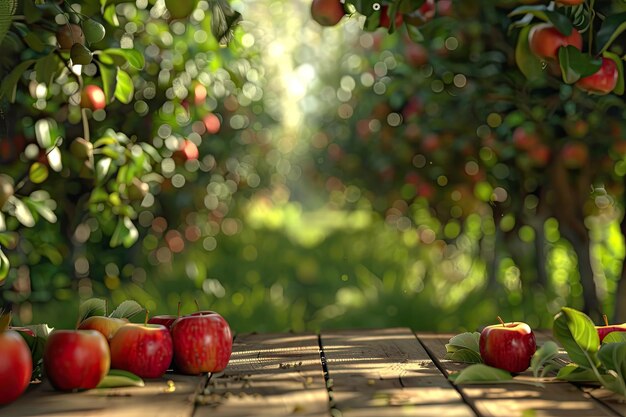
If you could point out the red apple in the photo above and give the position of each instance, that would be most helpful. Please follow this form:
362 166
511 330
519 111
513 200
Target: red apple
108 326
545 40
202 343
16 366
575 154
508 346
143 349
327 12
524 140
606 329
602 81
76 359
92 97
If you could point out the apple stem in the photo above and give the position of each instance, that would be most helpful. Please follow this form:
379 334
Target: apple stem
145 323
500 320
606 319
178 313
106 307
197 305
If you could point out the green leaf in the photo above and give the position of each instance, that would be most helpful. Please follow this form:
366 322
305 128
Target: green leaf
124 88
484 374
94 31
467 340
576 64
527 62
613 358
4 266
42 209
8 88
110 16
576 373
23 213
578 335
366 7
126 310
103 168
31 12
125 233
611 28
539 11
8 239
615 337
7 10
464 356
132 56
119 378
91 307
543 359
33 41
619 87
46 67
480 374
415 34
560 22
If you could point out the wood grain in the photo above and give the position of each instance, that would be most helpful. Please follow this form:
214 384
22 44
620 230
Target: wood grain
170 396
268 375
556 399
386 373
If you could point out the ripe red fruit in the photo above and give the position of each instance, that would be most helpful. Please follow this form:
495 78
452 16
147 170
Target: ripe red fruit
507 346
327 12
165 320
545 40
575 155
202 343
76 359
16 366
385 21
428 9
606 329
108 326
143 349
602 81
524 140
92 97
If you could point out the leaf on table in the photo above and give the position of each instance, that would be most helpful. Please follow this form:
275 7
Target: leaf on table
464 356
126 310
613 358
543 360
577 334
483 374
467 340
576 373
119 378
91 307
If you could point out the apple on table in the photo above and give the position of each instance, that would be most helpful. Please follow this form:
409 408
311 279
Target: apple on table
76 359
508 346
603 331
203 342
16 365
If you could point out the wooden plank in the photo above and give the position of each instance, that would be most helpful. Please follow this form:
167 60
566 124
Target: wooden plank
611 400
268 375
169 396
556 399
386 373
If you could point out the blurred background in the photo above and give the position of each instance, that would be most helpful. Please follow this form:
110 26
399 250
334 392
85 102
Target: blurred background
305 177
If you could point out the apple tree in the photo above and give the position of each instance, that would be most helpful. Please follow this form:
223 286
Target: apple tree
507 122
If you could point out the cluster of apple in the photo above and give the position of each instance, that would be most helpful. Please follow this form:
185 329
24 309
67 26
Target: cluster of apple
80 359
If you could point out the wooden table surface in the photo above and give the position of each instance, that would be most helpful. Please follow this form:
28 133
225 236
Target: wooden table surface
377 373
